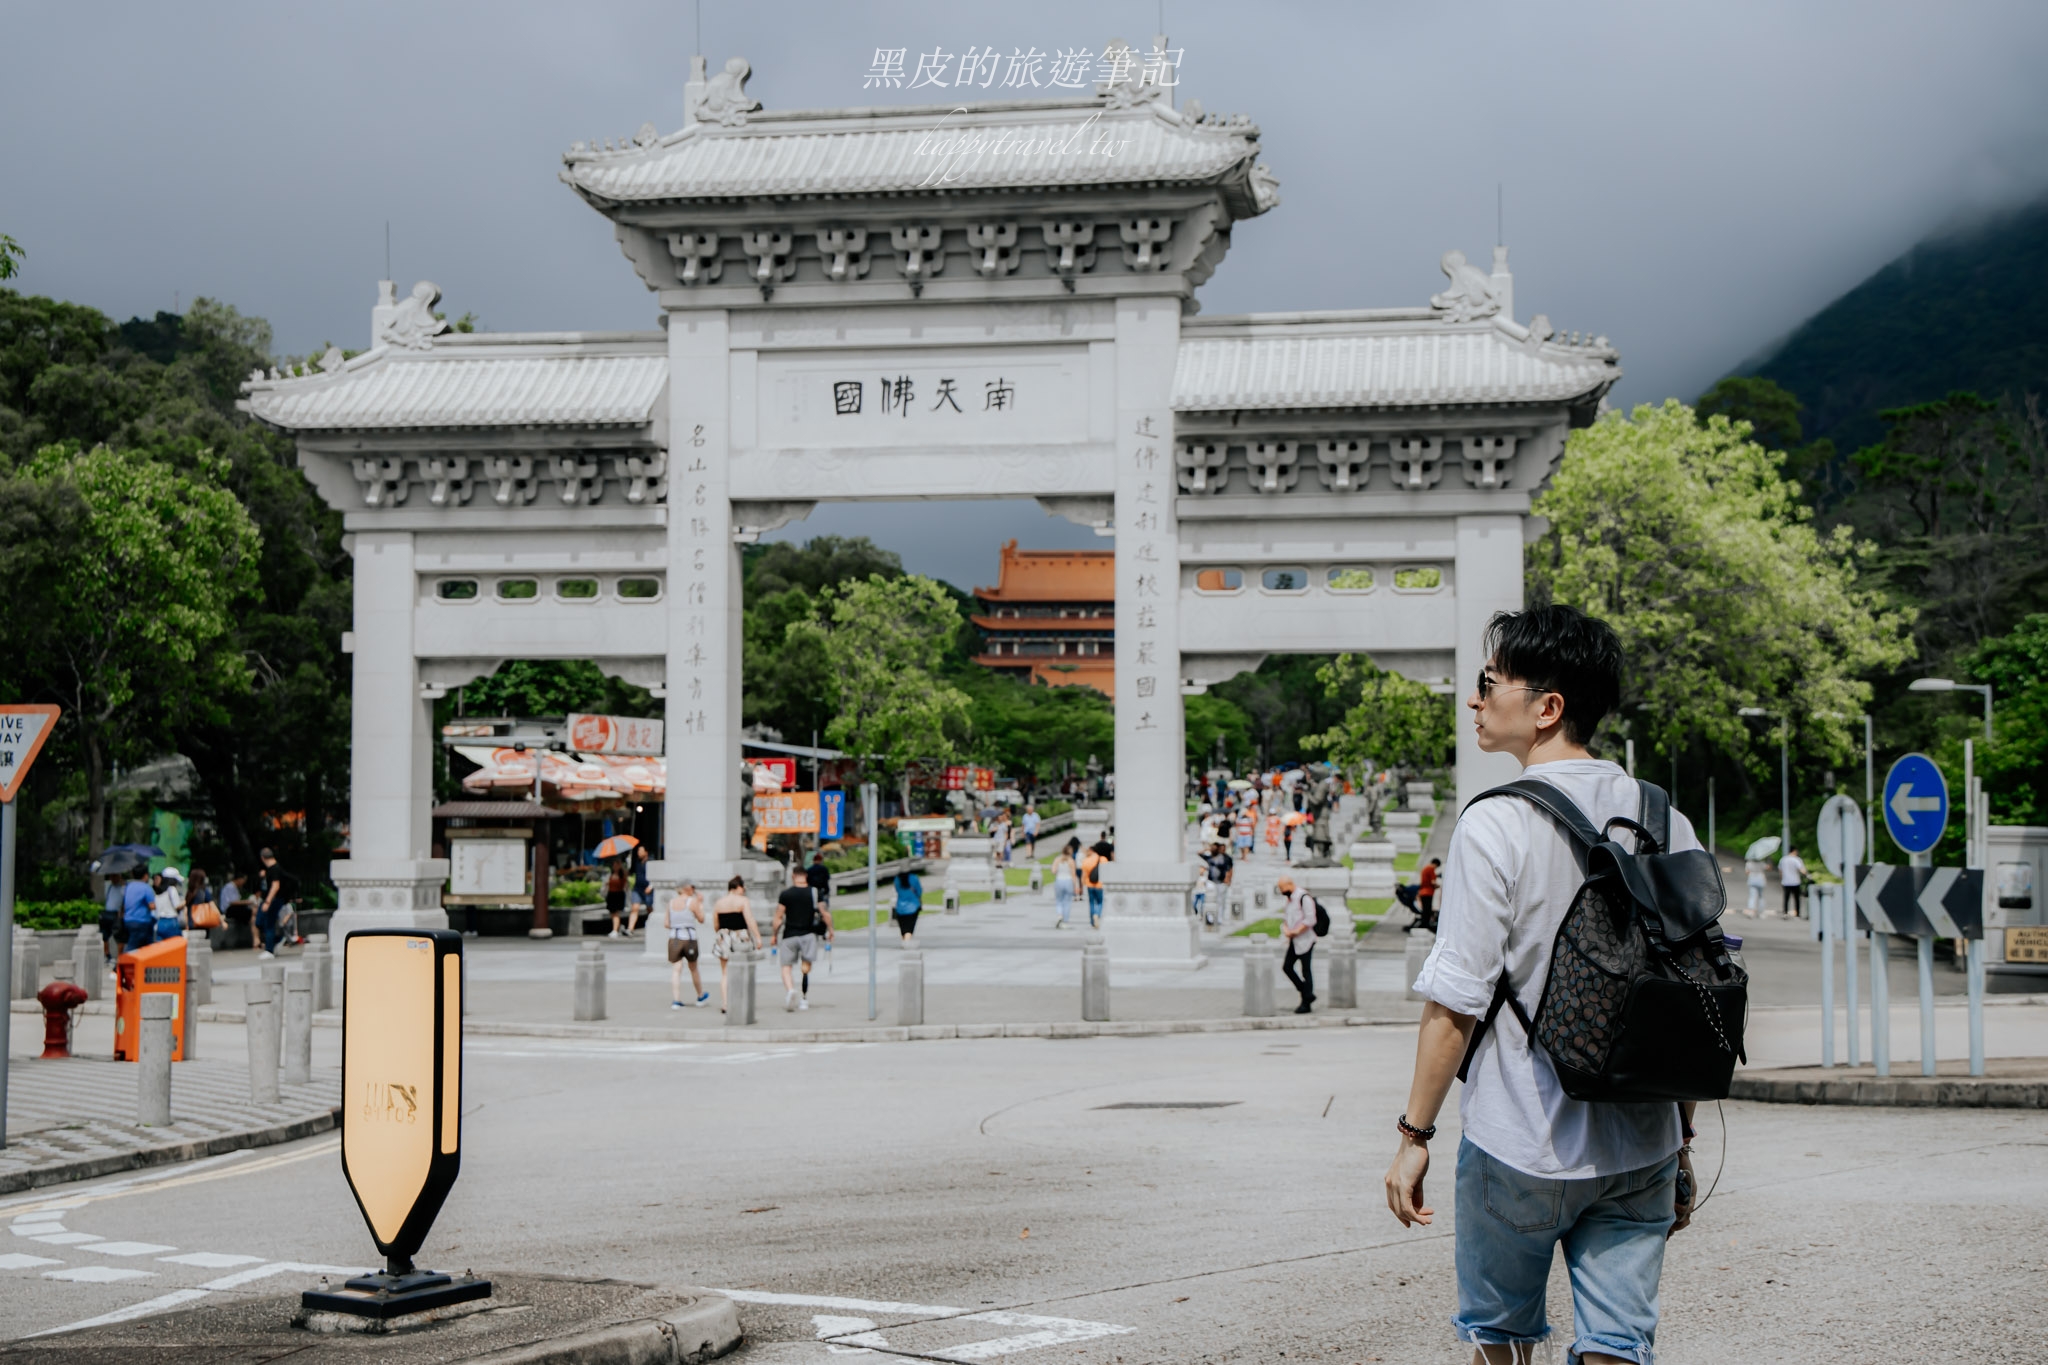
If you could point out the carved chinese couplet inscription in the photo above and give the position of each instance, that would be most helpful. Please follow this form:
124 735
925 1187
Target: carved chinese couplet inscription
896 394
1146 588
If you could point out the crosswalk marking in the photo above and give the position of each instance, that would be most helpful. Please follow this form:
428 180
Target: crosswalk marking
846 1335
134 1310
16 1260
97 1274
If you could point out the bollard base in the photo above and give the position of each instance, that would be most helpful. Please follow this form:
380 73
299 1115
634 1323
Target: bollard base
384 1296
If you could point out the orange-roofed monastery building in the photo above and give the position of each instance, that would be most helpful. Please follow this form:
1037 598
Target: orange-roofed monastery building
1051 617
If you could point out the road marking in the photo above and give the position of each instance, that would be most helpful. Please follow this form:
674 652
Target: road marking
16 1260
861 1334
98 1274
133 1310
127 1248
263 1272
210 1260
64 1239
193 1173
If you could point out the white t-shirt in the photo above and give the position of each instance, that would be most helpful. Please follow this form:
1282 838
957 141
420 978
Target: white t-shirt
1511 875
1791 870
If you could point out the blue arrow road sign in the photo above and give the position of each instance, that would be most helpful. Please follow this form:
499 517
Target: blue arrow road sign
1915 803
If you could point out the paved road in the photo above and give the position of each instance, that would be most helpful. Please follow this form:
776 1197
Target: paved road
923 1198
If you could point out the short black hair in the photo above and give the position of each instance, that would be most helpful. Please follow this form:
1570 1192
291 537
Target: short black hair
1560 649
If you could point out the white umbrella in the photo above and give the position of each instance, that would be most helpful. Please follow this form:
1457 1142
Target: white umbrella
1240 784
1762 848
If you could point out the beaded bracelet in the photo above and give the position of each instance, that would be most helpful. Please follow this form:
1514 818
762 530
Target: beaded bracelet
1419 1134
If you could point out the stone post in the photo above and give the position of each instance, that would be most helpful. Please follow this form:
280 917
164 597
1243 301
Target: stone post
319 962
273 976
261 1013
1487 579
1404 830
1037 878
949 903
88 962
741 982
153 1052
1095 979
590 982
188 1013
1420 941
910 987
1342 948
25 972
1258 978
199 967
298 1027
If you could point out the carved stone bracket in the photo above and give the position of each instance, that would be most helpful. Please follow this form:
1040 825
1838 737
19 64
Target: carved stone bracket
1069 249
696 255
997 243
1144 242
752 520
1343 463
578 475
1200 466
382 478
511 478
447 479
1418 461
922 253
1486 460
1272 465
1097 512
845 252
770 253
645 476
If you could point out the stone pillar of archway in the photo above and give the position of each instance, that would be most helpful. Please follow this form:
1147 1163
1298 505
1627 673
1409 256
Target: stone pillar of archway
1146 920
388 880
1488 579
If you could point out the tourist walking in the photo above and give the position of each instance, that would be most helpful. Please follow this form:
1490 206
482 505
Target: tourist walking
1536 1168
797 931
1753 870
615 896
1065 879
685 912
138 911
112 910
236 912
640 895
1427 883
1298 928
1031 833
733 928
909 900
1091 879
819 878
170 904
202 908
273 903
1792 879
1218 867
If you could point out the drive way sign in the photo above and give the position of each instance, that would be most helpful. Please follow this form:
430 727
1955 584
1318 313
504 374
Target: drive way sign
23 729
1915 803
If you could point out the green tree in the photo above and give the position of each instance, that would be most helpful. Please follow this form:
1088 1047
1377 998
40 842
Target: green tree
1686 538
784 686
1211 720
123 621
1772 413
1283 701
2014 764
1029 730
1390 721
883 641
11 256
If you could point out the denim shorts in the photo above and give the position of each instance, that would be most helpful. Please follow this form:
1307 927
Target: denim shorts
1612 1229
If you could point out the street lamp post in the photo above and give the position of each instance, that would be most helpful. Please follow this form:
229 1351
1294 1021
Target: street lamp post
1951 685
1784 720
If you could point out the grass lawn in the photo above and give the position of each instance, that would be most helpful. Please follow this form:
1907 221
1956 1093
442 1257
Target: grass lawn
847 921
1369 906
1269 927
1407 862
1364 915
1017 876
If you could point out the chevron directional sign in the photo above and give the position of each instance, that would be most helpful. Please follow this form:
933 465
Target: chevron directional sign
1920 902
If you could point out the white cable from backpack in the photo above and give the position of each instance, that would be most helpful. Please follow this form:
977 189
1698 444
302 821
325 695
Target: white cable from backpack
1724 1160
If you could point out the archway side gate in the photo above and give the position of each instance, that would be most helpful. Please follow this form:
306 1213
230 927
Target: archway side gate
853 308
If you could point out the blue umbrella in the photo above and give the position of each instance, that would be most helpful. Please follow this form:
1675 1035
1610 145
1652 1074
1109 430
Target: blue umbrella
123 858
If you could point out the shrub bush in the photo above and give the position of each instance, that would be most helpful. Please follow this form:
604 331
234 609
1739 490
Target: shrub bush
56 914
575 893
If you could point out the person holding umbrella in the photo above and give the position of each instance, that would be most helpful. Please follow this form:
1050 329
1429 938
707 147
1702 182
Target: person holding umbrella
613 850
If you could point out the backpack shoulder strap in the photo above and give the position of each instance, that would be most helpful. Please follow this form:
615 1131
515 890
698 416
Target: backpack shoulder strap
1654 815
1553 803
1501 996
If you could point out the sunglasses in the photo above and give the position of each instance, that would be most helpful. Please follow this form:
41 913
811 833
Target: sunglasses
1487 686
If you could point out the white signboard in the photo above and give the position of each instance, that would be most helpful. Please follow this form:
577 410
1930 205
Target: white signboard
614 735
487 867
1841 834
22 732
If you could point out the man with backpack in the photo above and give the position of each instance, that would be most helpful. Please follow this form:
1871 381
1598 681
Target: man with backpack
1609 1181
1302 924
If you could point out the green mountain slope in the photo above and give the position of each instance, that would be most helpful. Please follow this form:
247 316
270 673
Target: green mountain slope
1965 311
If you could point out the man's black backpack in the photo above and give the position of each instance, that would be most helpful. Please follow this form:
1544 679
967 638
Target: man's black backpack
1642 1002
1322 917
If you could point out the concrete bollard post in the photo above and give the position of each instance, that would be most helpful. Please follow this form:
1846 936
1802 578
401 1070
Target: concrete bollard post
1420 941
25 971
262 1012
590 982
740 993
320 962
910 988
1258 978
1000 892
62 971
273 976
1037 878
1094 979
88 962
199 966
950 902
298 1027
1342 947
188 1010
153 1052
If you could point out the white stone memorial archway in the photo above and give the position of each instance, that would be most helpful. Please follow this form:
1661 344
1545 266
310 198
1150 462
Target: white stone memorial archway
858 306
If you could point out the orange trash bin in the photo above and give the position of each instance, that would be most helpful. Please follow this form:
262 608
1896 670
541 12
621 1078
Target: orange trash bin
158 969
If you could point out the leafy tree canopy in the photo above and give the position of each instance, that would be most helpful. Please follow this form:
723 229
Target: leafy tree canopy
1686 538
1391 721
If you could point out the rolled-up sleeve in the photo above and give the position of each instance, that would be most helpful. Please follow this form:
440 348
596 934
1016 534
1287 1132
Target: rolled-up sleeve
1476 914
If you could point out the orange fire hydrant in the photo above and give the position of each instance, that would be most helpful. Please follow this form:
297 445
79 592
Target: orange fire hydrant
58 999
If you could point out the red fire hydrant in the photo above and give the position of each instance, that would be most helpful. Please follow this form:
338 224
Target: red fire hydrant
58 999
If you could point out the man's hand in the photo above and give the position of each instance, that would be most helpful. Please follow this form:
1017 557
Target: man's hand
1690 1196
1404 1184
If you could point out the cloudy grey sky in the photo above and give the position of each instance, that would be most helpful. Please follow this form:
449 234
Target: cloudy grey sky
1691 179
